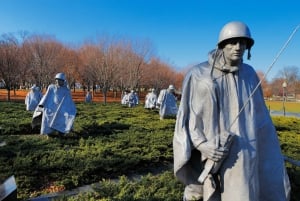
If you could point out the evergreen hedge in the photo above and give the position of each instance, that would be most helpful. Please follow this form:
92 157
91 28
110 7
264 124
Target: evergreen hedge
109 143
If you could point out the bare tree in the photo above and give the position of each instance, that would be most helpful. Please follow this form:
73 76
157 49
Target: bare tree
9 62
108 65
44 58
90 56
135 55
291 75
99 65
70 62
25 74
160 75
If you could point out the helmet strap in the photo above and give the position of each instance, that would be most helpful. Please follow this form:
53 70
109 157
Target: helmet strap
249 53
214 61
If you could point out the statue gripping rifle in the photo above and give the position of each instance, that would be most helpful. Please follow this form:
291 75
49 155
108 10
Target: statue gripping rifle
212 167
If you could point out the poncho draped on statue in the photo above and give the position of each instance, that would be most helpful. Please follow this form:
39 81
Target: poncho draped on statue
150 100
168 104
33 98
254 169
59 110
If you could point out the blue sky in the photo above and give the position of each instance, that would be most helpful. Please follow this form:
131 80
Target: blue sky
181 32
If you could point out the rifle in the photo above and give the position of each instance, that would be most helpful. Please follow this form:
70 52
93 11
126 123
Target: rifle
212 166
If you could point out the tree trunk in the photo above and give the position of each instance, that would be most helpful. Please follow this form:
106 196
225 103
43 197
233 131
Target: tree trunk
8 94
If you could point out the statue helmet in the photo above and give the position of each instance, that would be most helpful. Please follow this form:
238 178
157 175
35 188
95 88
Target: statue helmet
235 29
60 76
171 87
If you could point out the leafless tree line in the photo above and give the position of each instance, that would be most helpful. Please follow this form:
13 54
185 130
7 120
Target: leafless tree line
110 64
290 75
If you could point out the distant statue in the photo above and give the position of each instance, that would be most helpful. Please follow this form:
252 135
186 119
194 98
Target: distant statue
132 99
88 97
33 98
167 103
150 100
57 108
124 99
137 98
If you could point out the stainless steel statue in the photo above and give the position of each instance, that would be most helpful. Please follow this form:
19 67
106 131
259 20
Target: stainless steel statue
223 153
57 108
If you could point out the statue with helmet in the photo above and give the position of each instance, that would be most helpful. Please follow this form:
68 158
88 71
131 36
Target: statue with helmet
33 98
60 76
57 108
133 99
150 100
226 147
167 103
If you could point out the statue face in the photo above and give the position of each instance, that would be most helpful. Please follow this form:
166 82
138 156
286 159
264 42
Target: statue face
234 50
59 82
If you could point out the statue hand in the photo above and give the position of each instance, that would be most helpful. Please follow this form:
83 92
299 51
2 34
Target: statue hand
211 151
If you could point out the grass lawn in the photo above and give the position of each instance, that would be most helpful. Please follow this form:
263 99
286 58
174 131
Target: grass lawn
289 106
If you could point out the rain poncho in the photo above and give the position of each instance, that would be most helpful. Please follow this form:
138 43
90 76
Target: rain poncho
124 99
88 97
150 100
33 98
254 169
168 103
133 99
59 110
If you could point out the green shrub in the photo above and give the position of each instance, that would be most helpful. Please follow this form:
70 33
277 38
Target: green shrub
108 143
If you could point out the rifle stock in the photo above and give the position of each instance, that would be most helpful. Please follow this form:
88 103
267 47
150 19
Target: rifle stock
212 166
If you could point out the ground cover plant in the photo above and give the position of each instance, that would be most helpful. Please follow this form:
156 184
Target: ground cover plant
288 130
109 143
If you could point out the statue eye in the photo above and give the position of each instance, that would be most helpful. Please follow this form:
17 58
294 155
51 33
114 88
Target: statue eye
235 41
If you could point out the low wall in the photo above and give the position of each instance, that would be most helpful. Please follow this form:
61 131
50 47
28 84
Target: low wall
78 96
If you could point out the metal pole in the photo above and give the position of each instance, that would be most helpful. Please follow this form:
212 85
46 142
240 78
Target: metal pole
283 101
284 85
